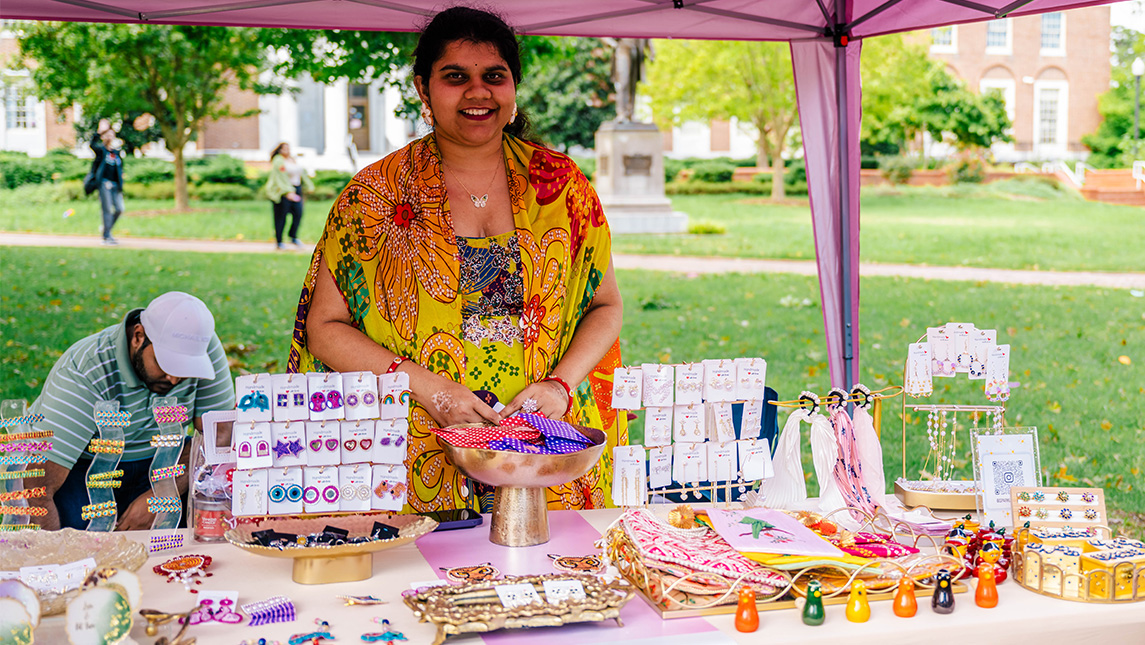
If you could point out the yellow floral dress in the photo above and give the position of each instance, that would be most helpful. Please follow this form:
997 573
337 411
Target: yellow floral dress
404 276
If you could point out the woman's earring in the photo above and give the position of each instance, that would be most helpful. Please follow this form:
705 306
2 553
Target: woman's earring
514 117
427 115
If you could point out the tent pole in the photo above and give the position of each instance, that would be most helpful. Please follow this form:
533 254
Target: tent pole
844 195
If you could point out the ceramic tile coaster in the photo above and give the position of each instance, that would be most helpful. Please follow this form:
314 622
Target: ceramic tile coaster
1058 507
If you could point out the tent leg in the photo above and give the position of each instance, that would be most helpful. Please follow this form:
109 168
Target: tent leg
844 205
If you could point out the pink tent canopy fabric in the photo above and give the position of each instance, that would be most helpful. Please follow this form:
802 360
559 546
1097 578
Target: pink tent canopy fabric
825 40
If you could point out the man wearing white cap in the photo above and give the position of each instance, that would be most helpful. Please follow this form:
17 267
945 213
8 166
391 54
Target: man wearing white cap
168 349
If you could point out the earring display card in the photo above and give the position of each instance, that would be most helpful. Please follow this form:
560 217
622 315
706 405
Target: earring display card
722 459
1056 507
628 480
390 441
751 421
688 423
751 378
389 488
249 492
1003 460
627 384
285 491
981 342
289 397
252 394
689 463
690 384
357 441
395 395
660 467
288 447
657 426
959 334
659 385
323 443
719 380
320 492
943 358
755 459
252 443
918 376
356 482
325 396
361 399
997 385
721 424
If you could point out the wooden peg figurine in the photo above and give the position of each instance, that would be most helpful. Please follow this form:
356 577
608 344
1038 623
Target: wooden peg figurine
986 595
905 604
943 600
747 615
813 612
858 609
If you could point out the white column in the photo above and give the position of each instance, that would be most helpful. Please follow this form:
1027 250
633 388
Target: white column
337 129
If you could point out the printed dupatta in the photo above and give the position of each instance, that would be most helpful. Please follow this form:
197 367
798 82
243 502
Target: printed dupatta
389 243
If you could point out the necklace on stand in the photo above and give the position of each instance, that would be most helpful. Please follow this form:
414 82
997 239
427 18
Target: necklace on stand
478 202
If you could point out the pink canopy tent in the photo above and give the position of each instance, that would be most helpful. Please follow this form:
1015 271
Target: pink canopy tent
825 37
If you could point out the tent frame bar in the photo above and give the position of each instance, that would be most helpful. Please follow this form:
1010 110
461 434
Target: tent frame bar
99 6
870 14
841 116
997 13
221 8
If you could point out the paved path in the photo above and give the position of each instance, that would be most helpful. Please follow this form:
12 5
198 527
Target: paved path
675 263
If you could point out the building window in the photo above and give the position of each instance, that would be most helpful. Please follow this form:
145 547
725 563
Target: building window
998 37
19 107
944 40
1051 116
1048 104
1053 34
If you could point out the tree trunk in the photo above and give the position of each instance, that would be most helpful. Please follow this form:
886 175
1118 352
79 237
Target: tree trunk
182 200
778 188
761 159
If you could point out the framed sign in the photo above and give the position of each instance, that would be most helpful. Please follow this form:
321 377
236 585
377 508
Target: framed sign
1003 459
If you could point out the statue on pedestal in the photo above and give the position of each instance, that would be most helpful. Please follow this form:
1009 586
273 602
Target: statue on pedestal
627 66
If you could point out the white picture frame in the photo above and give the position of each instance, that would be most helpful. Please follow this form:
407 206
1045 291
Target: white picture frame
1003 459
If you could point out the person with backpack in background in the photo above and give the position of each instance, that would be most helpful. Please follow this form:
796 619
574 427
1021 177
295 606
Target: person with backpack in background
107 177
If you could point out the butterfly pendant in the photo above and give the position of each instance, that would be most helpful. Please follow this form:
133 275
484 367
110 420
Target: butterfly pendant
480 202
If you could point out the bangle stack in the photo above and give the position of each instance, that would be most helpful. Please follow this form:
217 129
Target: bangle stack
107 446
568 390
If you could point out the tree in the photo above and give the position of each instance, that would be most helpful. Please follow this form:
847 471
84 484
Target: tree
748 81
1111 145
177 74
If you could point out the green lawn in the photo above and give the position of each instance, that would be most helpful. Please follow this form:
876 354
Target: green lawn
1087 405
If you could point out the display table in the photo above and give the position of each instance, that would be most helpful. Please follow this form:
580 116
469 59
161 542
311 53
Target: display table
1020 614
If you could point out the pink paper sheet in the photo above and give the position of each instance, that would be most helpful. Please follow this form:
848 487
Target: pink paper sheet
778 533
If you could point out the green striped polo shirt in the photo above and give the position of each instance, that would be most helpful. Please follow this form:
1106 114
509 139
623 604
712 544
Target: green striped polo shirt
98 368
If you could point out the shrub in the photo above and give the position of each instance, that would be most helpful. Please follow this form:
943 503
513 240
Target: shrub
219 169
713 171
159 190
795 172
897 170
706 227
587 165
672 168
224 192
43 193
149 171
18 169
334 180
696 187
967 171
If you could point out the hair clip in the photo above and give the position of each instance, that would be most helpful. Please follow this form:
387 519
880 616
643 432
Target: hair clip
111 474
317 402
27 493
21 474
168 472
166 440
36 511
92 511
170 413
276 609
19 527
26 419
22 458
168 504
34 446
165 541
121 418
106 446
24 436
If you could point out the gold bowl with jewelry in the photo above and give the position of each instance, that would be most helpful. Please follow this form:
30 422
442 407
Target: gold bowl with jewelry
520 510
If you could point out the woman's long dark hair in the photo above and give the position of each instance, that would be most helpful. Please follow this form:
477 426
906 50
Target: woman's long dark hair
475 26
277 149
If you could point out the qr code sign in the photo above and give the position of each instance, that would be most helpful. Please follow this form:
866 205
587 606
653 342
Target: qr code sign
1006 475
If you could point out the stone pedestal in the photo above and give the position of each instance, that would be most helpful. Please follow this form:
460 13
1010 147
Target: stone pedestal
630 179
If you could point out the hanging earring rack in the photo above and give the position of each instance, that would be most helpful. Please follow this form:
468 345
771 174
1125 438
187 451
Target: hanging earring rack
942 492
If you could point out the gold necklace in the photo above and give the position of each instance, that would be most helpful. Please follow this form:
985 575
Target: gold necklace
478 202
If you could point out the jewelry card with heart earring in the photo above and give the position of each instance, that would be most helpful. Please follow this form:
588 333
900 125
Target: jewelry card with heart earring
659 385
981 342
629 479
323 443
658 426
721 424
289 444
719 380
285 491
660 467
325 396
390 489
251 445
356 484
918 362
357 441
755 459
252 398
289 396
689 463
627 384
943 359
361 400
688 423
722 458
320 492
391 439
248 492
393 388
751 379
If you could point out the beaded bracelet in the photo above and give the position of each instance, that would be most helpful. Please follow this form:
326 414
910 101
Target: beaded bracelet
164 504
21 436
22 474
166 440
119 419
92 511
107 483
111 474
27 493
35 511
34 446
108 446
22 458
19 421
167 472
170 414
164 542
19 527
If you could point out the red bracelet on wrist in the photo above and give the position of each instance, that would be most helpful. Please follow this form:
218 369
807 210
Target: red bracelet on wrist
568 390
394 365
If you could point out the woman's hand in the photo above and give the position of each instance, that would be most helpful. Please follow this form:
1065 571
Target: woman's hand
294 197
451 403
549 397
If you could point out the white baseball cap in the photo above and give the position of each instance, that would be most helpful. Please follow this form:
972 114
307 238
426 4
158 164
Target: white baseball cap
180 327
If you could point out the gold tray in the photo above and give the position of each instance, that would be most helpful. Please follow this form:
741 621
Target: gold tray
936 501
321 563
1084 581
474 607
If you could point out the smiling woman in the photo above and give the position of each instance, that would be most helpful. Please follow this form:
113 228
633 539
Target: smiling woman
473 260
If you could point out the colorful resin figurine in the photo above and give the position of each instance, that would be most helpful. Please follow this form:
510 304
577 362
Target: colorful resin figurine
943 600
986 595
905 603
813 613
747 615
858 609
